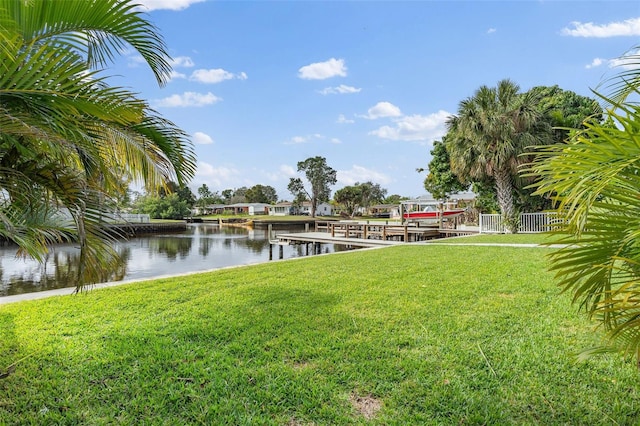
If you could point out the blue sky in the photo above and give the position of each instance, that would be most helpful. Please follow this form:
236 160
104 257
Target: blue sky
261 85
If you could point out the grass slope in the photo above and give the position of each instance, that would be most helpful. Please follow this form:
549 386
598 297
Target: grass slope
401 335
540 238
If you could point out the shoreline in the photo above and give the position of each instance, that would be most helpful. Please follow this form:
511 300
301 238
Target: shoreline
70 291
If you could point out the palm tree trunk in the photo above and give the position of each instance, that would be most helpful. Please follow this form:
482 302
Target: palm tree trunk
504 190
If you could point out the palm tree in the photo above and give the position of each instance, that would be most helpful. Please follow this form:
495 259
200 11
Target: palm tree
595 182
66 136
488 136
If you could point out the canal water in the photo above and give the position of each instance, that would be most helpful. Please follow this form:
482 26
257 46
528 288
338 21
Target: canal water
201 247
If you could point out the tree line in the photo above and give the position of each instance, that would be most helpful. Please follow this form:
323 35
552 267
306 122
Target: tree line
178 201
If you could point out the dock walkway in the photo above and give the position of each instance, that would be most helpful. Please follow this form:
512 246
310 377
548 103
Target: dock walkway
324 237
359 234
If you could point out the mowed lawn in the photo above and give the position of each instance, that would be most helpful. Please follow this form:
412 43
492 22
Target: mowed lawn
420 334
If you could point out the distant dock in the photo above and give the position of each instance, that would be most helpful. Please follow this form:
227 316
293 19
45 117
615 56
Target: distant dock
357 234
325 238
135 229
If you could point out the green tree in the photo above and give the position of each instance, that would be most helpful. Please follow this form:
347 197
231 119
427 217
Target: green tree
349 197
359 195
168 207
261 194
204 195
227 194
370 193
183 192
320 176
207 197
595 183
441 181
488 136
561 109
566 110
66 136
394 199
239 195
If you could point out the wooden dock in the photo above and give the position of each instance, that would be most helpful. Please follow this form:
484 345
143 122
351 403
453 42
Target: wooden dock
326 238
135 229
358 234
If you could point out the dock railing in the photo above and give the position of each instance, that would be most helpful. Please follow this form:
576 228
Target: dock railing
322 225
528 223
377 231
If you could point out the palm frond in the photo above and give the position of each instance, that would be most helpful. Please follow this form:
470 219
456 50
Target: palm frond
627 81
99 29
66 135
595 181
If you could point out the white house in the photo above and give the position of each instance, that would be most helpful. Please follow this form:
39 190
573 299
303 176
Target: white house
391 211
248 208
208 209
287 208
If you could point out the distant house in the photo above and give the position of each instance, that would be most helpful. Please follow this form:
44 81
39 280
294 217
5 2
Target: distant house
466 196
287 208
247 208
391 211
208 209
281 209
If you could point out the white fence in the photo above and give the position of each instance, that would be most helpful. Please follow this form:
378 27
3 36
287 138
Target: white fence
130 218
528 223
63 214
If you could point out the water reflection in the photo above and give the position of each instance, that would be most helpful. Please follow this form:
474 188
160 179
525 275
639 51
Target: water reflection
200 247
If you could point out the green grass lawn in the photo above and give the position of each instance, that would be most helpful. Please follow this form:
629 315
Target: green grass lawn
419 334
541 238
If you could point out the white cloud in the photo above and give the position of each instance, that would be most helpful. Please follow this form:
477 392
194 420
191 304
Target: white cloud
188 99
281 175
177 62
491 30
303 139
298 139
336 141
629 61
381 110
342 89
182 61
216 177
323 70
134 61
175 75
202 138
216 75
344 120
595 63
415 128
630 27
361 174
149 5
288 171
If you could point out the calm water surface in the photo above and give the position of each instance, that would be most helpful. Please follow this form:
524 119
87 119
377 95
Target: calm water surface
200 247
